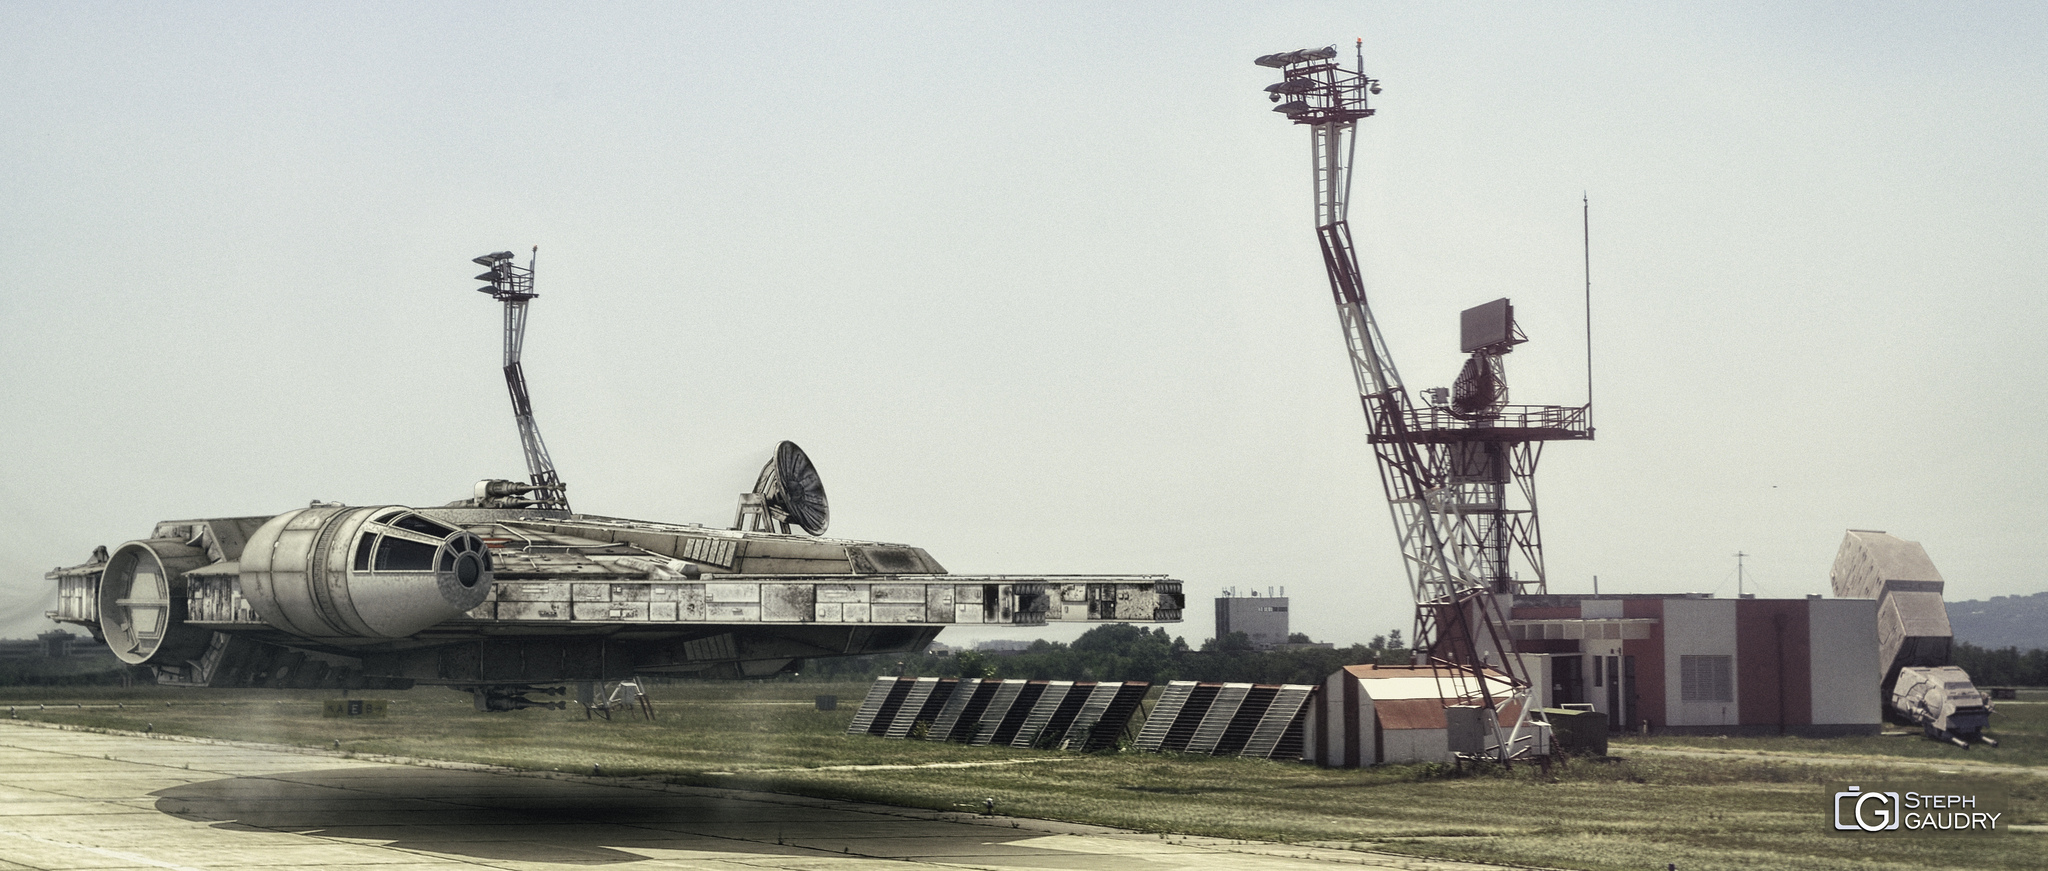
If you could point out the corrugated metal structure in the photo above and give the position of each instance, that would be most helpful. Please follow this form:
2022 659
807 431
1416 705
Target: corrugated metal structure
1064 715
1227 719
1376 715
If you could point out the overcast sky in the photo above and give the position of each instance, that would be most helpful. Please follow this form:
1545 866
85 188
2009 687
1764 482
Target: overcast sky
1035 285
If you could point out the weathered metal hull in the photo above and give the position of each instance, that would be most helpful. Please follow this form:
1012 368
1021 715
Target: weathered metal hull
1913 634
1942 700
390 596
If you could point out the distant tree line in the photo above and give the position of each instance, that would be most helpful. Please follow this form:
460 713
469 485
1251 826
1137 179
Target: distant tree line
84 670
2001 667
1121 651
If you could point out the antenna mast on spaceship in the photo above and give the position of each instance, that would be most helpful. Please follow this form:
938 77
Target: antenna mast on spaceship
1446 467
512 285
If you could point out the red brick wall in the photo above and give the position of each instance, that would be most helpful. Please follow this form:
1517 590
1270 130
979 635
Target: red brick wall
1524 612
1760 626
1649 654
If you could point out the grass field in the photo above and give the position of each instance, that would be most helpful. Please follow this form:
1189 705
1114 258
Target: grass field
2021 723
1640 809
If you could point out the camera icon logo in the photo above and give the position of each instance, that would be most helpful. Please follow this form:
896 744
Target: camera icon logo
1856 810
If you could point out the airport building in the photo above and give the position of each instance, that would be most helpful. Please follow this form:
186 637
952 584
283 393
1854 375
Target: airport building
1689 663
1263 619
1685 663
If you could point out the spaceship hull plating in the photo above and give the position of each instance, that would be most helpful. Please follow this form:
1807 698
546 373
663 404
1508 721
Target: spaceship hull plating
390 596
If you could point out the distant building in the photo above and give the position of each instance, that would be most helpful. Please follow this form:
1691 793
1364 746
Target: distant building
54 644
1003 646
57 643
1689 663
1683 663
1263 619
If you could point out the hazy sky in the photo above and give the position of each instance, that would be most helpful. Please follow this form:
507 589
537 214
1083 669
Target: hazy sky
1035 285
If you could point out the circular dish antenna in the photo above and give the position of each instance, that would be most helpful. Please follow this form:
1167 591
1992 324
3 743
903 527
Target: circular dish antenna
792 490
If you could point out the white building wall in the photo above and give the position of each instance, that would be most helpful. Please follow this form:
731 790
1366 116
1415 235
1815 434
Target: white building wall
1845 673
1327 745
1700 627
1409 746
1594 652
1594 655
1367 752
1600 609
1536 668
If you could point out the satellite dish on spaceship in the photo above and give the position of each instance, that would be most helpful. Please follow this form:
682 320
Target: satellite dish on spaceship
510 593
789 490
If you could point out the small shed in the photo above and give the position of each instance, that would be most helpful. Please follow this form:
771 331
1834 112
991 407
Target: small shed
1380 714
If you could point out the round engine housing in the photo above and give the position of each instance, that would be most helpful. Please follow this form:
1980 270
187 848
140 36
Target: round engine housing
380 572
142 602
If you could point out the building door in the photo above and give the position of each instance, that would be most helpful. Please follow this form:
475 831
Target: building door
1628 690
1616 718
1567 681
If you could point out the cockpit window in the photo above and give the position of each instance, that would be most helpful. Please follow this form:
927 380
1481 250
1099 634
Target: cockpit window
386 543
399 555
423 526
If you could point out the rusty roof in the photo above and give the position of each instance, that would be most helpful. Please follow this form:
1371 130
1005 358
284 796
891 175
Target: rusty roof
1410 713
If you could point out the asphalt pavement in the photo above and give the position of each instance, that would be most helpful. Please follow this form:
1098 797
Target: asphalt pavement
73 799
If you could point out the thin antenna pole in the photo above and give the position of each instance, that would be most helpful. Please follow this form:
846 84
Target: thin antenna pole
1586 236
1738 573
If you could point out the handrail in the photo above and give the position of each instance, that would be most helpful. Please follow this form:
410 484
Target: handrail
1571 418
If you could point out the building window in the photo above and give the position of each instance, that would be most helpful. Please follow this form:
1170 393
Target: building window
1706 678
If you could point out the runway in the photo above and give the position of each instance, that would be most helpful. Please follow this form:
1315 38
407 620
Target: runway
105 802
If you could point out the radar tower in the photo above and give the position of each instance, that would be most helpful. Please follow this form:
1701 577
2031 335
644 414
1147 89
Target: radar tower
1446 467
512 285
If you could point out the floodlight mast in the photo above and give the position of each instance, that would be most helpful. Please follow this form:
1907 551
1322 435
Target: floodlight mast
512 285
1459 627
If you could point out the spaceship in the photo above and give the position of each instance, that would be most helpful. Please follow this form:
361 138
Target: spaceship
510 592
